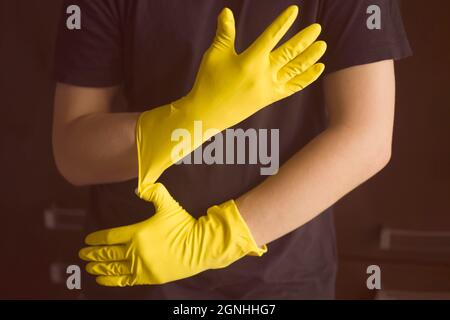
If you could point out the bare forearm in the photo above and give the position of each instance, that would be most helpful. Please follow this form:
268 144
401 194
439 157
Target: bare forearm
332 165
361 104
98 148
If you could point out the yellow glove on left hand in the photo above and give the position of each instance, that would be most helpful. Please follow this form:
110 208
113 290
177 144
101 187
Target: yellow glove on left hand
171 245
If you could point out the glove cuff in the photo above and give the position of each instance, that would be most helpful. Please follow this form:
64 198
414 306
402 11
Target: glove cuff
240 230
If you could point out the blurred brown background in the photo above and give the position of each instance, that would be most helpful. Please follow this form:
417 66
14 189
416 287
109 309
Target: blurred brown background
400 220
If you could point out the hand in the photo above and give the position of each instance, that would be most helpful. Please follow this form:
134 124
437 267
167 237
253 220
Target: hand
170 245
230 87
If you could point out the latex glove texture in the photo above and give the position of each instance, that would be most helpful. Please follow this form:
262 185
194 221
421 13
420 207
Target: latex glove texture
229 88
170 245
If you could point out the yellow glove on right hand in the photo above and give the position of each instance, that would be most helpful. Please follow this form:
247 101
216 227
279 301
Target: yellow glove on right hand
170 245
229 88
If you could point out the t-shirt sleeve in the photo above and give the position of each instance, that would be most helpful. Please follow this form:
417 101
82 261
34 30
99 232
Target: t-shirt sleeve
362 31
90 56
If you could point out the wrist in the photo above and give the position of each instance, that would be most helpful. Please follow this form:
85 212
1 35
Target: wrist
243 230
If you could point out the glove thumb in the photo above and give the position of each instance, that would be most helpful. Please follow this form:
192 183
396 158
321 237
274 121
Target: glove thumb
226 31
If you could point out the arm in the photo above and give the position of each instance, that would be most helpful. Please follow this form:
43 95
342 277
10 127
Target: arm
356 145
92 145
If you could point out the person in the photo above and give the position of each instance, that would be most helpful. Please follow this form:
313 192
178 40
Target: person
131 56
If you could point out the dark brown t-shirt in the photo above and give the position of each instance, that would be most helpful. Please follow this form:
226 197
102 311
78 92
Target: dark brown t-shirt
153 48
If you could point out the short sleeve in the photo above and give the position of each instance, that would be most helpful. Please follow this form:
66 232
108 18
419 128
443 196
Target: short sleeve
90 56
362 31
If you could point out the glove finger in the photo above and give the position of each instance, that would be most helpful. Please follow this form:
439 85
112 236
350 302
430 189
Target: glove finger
109 269
303 62
120 235
276 31
114 281
296 45
305 79
226 30
103 253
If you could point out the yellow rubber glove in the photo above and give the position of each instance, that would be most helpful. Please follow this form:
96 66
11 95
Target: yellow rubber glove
229 88
171 245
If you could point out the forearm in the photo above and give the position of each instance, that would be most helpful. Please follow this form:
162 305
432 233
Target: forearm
315 178
97 148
